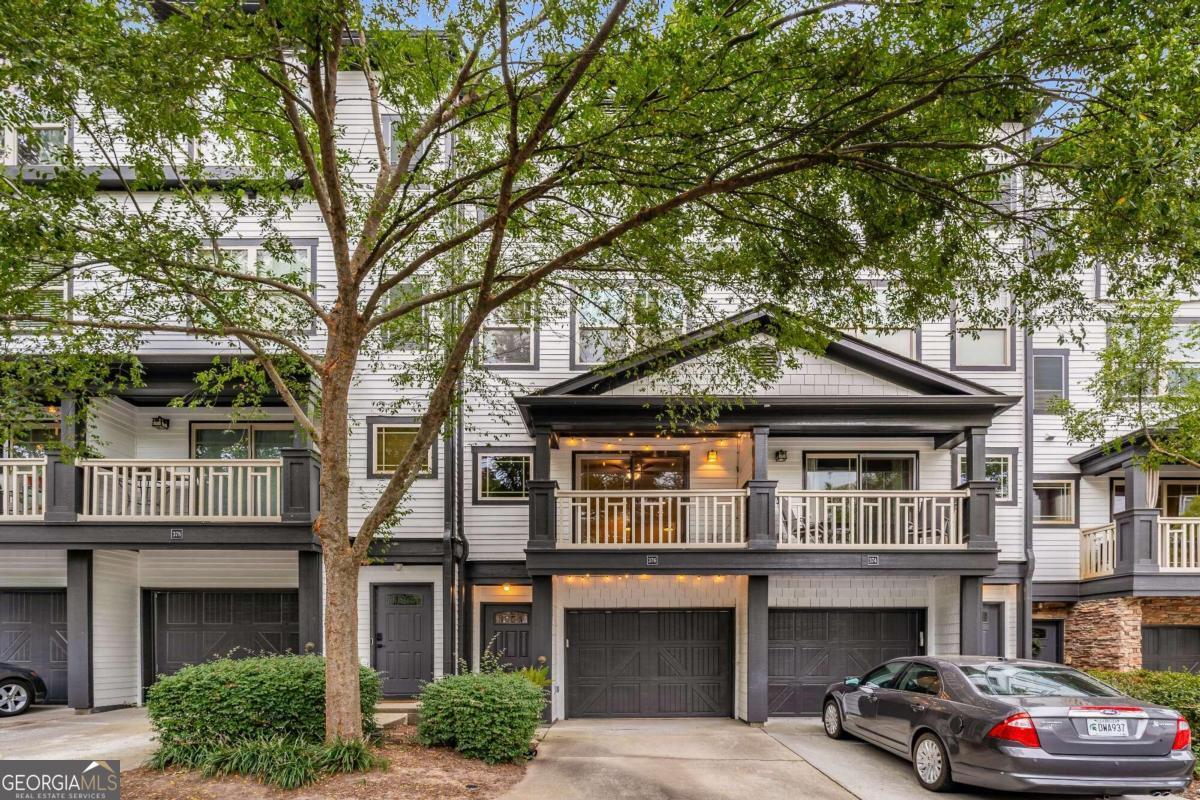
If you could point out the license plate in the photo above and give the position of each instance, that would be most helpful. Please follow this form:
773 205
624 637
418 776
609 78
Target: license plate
1107 727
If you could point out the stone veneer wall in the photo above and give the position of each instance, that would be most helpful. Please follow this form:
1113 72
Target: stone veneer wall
1107 634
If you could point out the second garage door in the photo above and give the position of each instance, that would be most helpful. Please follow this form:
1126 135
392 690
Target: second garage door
33 634
650 663
810 649
190 627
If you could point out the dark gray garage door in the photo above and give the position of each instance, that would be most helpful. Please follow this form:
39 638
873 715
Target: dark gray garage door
33 634
1174 647
650 663
190 627
810 649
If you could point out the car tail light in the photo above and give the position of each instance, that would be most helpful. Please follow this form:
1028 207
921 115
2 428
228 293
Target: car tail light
1018 729
1183 735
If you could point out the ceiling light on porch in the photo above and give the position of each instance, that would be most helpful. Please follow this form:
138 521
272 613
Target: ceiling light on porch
712 456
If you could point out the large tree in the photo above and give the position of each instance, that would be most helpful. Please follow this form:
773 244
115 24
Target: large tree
775 150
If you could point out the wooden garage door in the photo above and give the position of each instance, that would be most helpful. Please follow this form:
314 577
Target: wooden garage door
810 649
33 634
650 663
1173 647
190 627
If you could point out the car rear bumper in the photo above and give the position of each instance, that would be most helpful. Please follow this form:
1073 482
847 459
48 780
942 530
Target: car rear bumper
1034 770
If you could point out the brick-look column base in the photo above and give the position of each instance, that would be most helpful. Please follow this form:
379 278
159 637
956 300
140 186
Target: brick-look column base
1104 634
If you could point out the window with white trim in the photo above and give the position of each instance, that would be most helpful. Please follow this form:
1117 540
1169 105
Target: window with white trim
610 322
42 145
502 476
397 140
390 441
901 341
1054 502
256 259
997 467
985 343
1183 355
507 338
409 331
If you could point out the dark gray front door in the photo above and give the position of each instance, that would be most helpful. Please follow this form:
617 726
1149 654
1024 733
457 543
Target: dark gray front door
1047 638
404 636
506 632
195 626
992 615
1171 647
650 663
33 634
808 649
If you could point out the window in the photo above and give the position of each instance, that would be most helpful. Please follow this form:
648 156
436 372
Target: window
987 344
241 440
502 476
902 341
1049 380
48 299
882 677
1116 501
27 441
998 468
507 339
921 679
396 140
1183 353
610 321
388 442
1176 498
44 144
598 335
838 472
1054 502
409 331
254 259
510 618
631 471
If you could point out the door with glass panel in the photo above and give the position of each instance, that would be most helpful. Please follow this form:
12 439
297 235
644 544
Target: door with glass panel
852 499
640 510
239 489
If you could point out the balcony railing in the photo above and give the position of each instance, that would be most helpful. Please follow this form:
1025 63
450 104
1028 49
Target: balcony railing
195 490
863 519
22 488
682 518
1179 544
1097 551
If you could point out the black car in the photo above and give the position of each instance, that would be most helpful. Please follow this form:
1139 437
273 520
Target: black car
19 689
1013 725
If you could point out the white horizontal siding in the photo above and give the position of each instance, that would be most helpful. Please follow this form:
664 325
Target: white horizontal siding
116 667
33 569
218 569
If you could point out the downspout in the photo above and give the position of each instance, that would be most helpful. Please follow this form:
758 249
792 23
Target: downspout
1025 630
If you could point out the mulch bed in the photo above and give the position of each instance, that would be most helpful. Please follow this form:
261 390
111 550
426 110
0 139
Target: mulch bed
413 773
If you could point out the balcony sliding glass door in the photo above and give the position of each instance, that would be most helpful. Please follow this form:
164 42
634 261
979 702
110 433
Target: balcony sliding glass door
639 514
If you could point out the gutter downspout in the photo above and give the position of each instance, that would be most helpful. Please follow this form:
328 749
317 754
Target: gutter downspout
1025 629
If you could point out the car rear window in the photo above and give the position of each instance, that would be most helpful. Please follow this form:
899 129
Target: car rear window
1049 681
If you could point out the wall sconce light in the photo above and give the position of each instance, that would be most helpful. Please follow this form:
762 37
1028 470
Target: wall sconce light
712 456
781 456
160 423
507 587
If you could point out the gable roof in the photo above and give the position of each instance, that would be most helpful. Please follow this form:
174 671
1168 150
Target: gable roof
843 348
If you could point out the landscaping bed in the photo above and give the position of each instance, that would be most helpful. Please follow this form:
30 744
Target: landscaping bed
413 772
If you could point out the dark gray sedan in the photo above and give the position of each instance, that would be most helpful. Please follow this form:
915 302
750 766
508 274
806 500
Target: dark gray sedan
1013 725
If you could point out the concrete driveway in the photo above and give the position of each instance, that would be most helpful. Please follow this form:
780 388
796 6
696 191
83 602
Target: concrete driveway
55 732
715 759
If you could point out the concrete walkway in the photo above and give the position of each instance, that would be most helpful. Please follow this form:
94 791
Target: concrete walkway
714 760
55 732
673 758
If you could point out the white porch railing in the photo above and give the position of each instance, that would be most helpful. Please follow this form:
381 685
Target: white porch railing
860 519
1179 544
22 488
1097 551
680 518
210 490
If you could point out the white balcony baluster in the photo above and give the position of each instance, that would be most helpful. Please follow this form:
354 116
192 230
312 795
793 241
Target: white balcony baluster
714 518
875 520
198 490
22 488
1179 544
1097 551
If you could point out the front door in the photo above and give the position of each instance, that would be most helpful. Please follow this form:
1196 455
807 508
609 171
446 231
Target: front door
506 633
1047 633
992 617
403 637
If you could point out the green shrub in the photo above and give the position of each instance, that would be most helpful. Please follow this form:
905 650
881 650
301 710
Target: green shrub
287 763
538 676
490 716
215 706
1177 690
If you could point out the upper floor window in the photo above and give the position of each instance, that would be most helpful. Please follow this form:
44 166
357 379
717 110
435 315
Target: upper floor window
1183 351
839 472
502 475
609 322
508 337
998 467
1049 379
396 141
598 335
984 344
43 144
902 341
1054 502
389 439
253 258
409 331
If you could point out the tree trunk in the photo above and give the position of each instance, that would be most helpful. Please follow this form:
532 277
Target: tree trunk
343 711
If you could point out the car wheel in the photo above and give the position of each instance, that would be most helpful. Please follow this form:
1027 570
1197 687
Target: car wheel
931 764
832 718
14 698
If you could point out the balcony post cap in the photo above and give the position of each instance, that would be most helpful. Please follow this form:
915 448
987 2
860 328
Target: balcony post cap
297 452
542 483
978 485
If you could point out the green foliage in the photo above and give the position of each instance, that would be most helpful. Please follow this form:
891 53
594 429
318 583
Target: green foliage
490 716
226 702
1177 690
538 676
1147 390
348 755
285 762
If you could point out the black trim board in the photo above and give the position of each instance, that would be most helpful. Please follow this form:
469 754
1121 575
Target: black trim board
842 348
135 535
495 572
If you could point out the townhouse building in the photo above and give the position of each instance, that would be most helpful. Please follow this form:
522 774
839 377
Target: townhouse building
903 492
